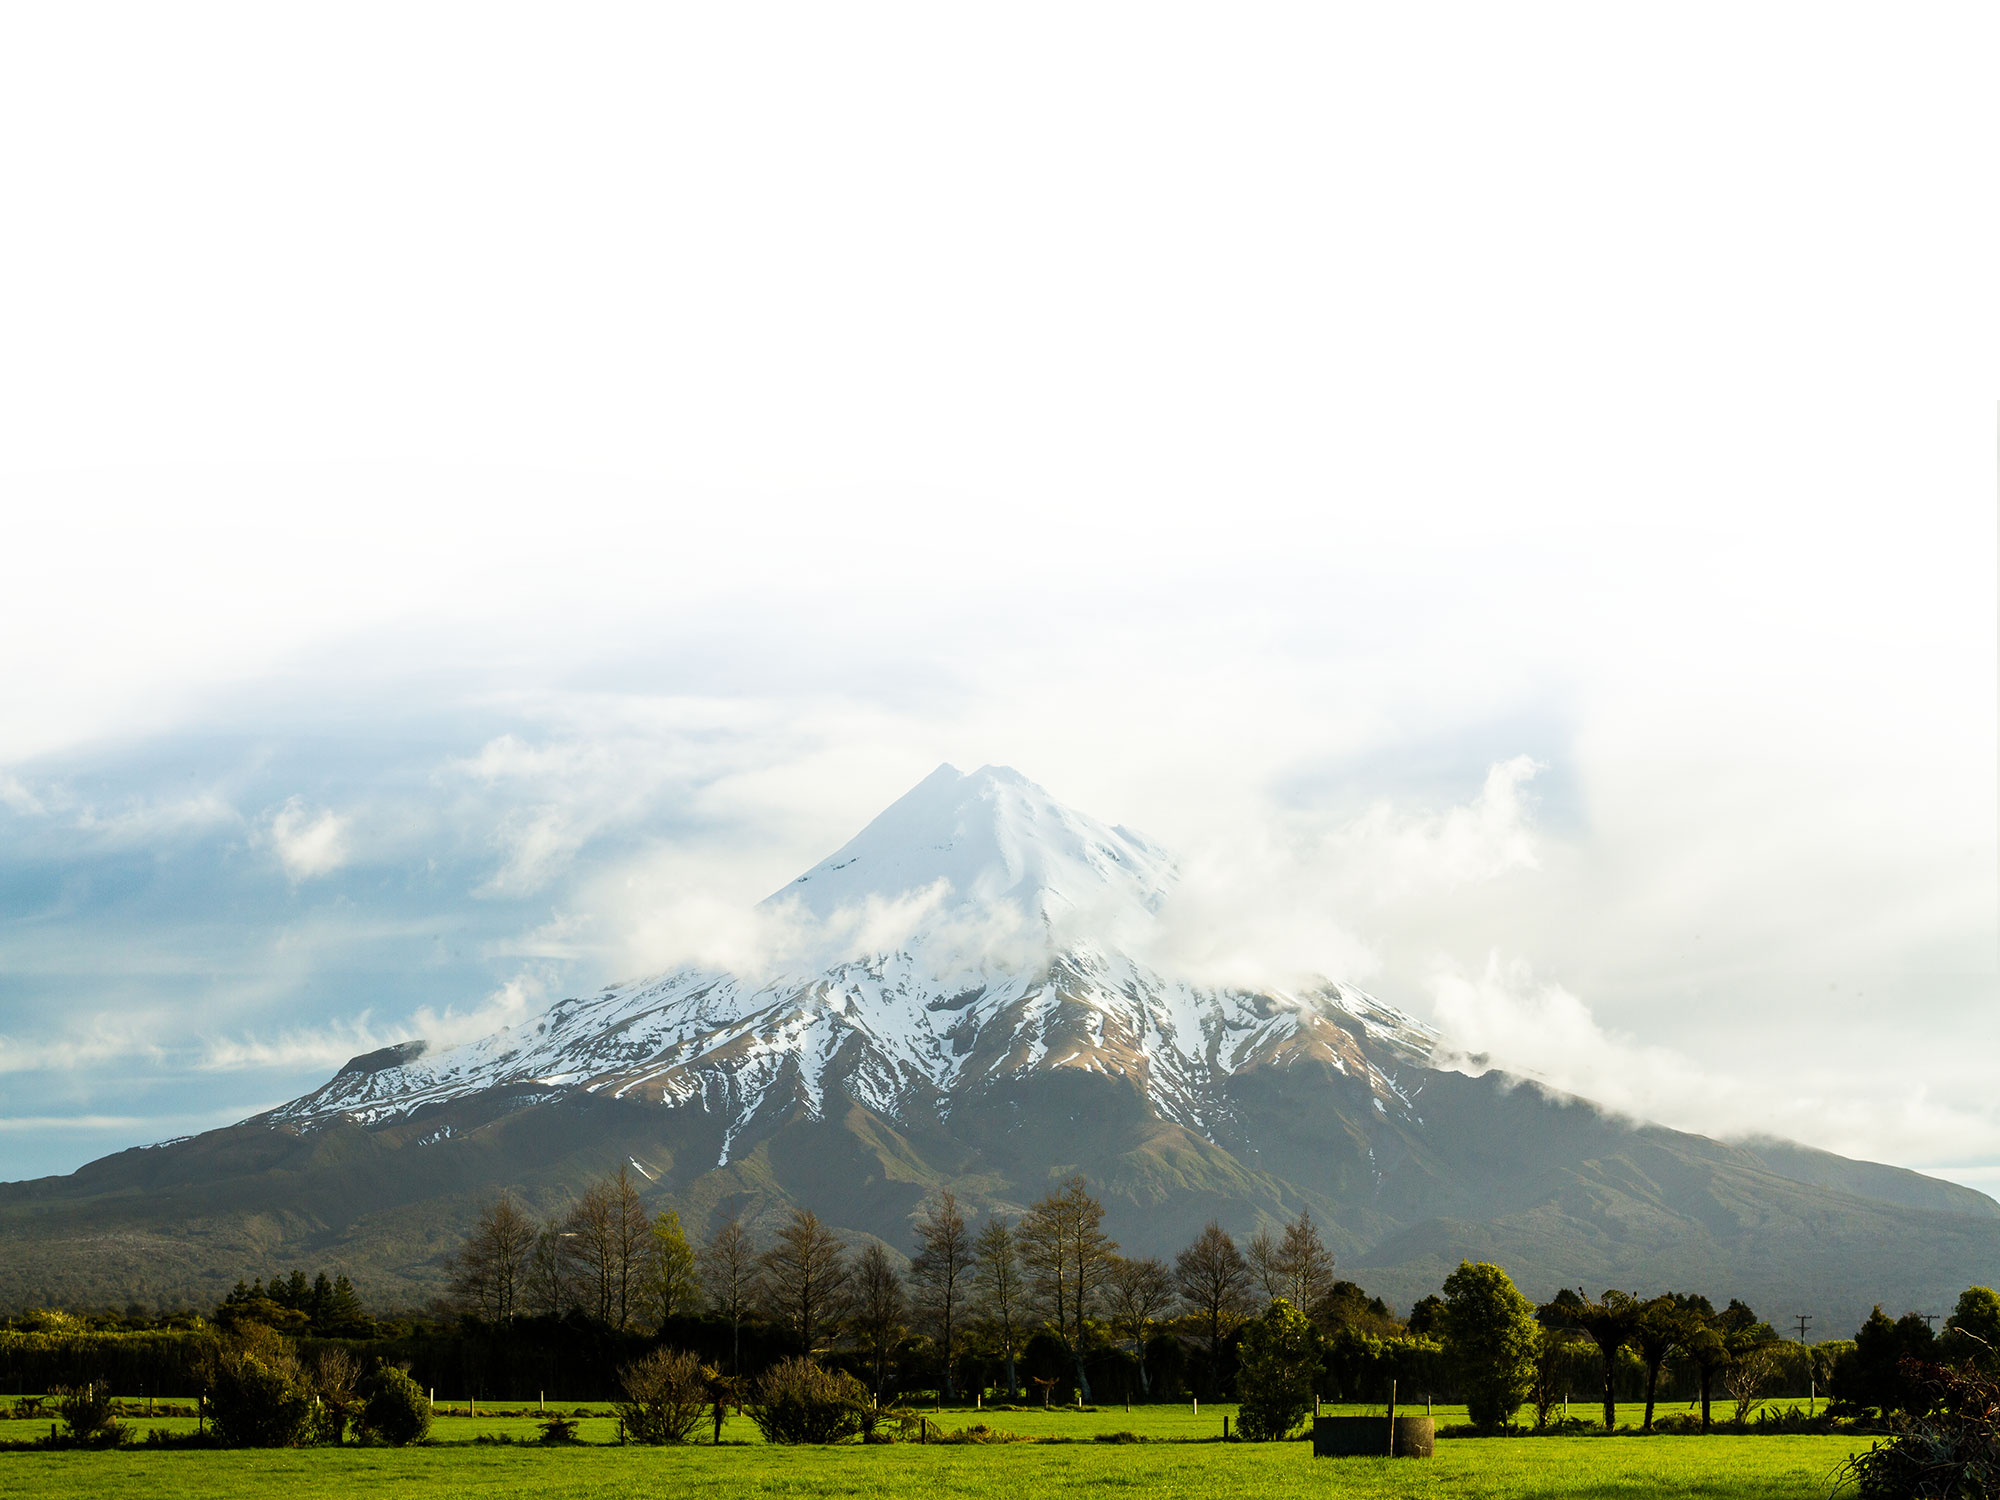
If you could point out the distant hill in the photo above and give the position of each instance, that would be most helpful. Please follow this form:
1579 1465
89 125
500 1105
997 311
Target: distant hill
1009 1033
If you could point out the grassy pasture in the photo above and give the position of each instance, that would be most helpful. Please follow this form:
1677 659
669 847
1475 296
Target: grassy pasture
1713 1468
517 1419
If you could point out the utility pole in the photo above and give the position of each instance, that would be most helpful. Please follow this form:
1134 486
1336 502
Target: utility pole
1812 1375
1929 1319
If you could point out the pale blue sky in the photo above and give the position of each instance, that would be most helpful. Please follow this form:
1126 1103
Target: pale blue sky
1508 494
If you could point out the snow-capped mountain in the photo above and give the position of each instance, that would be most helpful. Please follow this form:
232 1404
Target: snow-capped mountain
969 996
976 931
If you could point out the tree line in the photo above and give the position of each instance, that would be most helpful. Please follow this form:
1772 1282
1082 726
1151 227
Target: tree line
1053 1277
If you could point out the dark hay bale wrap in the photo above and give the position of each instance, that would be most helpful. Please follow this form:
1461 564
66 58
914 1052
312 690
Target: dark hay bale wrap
1359 1437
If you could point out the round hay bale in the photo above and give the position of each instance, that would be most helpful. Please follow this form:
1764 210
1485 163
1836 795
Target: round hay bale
1362 1437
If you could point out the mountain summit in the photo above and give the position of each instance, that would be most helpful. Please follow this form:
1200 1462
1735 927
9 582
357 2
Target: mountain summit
993 838
966 995
979 930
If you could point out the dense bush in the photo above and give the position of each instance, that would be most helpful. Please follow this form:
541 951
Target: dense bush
795 1401
1951 1453
666 1396
257 1395
1280 1357
395 1411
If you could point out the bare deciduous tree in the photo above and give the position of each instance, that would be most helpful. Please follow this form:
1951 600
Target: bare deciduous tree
879 1309
1746 1378
1066 1253
1306 1265
1266 1265
1136 1292
551 1284
605 1238
938 1276
728 1269
804 1279
1214 1282
997 1275
490 1272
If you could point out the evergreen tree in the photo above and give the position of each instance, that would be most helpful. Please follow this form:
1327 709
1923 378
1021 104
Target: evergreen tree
1280 1358
1972 1332
670 1284
1491 1339
1666 1323
319 1303
1610 1322
345 1316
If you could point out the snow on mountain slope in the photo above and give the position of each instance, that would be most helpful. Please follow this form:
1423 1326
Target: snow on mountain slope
977 929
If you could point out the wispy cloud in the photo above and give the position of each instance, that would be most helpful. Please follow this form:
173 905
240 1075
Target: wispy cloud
105 1039
295 1047
16 796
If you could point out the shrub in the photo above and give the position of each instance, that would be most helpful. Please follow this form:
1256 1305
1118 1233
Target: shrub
796 1401
558 1429
666 1397
395 1411
257 1397
88 1414
1280 1356
1951 1452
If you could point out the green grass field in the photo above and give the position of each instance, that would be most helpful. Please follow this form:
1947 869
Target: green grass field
1572 1469
517 1420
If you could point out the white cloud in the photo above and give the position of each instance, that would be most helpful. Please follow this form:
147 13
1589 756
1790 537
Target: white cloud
150 822
1504 1017
521 998
308 844
1277 898
105 1038
294 1047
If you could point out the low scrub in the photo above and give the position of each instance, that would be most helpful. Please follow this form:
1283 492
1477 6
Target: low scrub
795 1401
666 1397
90 1417
980 1433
